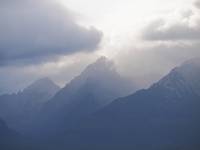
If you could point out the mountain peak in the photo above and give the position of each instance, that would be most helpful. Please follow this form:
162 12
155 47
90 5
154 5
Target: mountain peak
102 58
44 80
42 85
161 114
193 61
102 67
183 78
102 61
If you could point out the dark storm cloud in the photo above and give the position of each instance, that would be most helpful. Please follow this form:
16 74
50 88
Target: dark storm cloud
34 31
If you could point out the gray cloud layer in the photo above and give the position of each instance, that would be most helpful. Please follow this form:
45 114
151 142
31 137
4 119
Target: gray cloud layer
197 4
170 45
180 31
37 31
166 44
187 28
146 66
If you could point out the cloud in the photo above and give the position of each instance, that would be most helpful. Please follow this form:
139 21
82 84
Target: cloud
148 64
197 4
166 43
179 31
34 31
16 78
184 26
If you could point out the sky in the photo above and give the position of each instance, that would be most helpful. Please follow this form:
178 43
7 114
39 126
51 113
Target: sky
59 38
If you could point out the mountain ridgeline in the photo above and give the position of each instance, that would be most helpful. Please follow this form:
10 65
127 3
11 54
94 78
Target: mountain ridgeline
165 116
93 111
97 86
10 139
19 109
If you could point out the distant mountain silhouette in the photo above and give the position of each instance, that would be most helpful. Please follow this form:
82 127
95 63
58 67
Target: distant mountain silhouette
18 109
163 117
97 86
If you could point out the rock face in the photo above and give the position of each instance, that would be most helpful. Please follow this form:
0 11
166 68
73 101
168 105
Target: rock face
19 109
97 86
165 116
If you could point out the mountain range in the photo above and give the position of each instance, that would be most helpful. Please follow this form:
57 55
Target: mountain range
96 110
18 109
164 116
96 87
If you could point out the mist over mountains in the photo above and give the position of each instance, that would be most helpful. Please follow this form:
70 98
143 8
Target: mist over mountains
99 75
99 109
165 116
94 88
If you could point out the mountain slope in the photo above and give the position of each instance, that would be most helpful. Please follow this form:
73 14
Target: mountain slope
98 85
10 140
18 109
165 116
